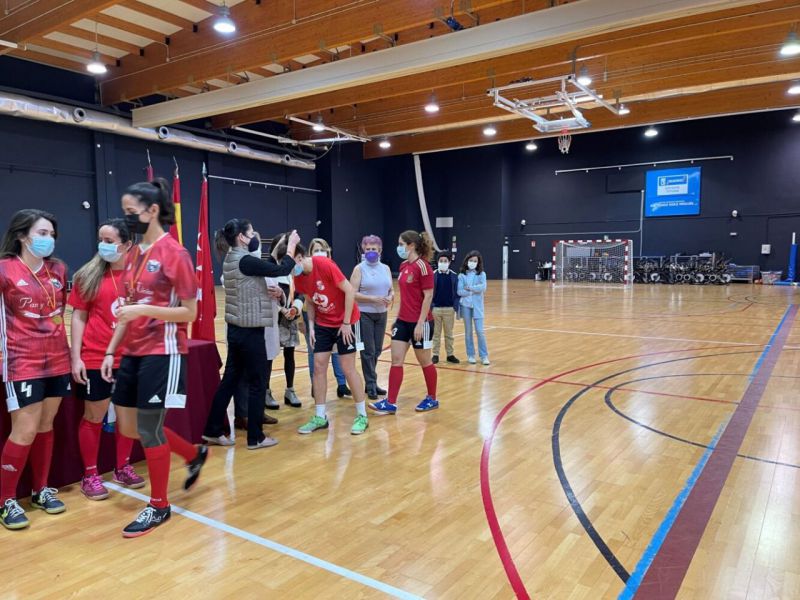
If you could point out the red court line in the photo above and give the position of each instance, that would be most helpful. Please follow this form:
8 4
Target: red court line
666 573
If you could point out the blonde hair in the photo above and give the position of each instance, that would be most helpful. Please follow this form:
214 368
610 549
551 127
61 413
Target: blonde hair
89 277
322 244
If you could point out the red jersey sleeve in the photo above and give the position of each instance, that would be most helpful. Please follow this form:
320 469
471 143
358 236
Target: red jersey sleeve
76 299
180 272
333 272
426 278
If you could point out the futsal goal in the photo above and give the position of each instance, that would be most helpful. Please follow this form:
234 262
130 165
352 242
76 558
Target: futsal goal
592 262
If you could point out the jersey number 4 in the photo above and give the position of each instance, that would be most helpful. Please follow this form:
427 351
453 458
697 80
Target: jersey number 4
26 389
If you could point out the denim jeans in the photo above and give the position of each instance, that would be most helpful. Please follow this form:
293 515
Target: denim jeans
483 351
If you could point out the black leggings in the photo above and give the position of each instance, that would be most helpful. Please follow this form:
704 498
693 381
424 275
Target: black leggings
288 367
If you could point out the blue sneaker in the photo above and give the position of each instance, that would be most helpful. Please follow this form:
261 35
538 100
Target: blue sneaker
383 407
427 404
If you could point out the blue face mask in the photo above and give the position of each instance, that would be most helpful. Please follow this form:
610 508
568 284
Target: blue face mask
402 252
371 256
298 270
42 246
108 252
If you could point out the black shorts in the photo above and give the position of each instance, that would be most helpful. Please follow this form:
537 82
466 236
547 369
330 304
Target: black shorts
96 387
403 331
157 381
328 337
20 394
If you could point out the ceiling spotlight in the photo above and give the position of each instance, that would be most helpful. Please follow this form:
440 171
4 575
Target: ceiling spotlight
796 117
794 90
385 144
319 125
791 45
583 77
489 130
224 23
623 110
96 67
530 146
432 106
651 132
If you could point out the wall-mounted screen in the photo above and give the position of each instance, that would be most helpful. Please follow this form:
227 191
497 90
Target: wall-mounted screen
672 192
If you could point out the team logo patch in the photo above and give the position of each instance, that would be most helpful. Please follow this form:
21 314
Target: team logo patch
22 283
153 266
410 278
56 283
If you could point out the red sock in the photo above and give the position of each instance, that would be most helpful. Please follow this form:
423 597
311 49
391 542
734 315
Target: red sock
158 467
180 446
395 381
430 380
89 442
41 456
12 462
124 447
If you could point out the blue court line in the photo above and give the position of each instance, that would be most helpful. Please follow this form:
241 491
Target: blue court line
635 580
286 550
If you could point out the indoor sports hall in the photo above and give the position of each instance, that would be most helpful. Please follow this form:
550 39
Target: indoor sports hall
475 299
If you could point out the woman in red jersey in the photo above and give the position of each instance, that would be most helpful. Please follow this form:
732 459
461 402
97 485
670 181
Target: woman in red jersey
33 294
160 302
96 295
414 324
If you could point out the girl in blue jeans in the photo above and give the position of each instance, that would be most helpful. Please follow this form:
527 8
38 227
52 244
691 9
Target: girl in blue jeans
471 288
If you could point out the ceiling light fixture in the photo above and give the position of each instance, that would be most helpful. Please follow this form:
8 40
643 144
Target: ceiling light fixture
489 130
319 125
224 23
623 110
432 106
651 132
583 77
794 90
796 117
791 45
531 146
96 66
385 144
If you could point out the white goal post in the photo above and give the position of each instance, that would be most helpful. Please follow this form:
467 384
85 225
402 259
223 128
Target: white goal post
592 262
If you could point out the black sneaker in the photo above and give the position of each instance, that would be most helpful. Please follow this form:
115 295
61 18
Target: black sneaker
380 392
435 359
150 518
343 391
12 516
47 501
453 359
194 467
372 395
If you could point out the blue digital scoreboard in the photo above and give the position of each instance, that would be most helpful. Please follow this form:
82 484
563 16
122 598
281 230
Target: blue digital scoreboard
672 192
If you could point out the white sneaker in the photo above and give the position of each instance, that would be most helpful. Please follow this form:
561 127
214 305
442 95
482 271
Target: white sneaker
485 362
219 441
471 360
265 443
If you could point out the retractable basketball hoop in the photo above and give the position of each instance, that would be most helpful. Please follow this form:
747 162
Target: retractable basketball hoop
564 141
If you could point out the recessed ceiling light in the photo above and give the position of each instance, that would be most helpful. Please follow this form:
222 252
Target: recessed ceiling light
385 144
651 132
224 23
584 78
489 130
531 146
791 46
96 67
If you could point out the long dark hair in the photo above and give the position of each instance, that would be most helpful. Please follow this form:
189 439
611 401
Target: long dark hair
472 254
155 192
20 226
423 245
89 277
225 238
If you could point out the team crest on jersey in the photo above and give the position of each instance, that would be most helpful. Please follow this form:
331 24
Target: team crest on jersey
22 283
409 277
153 266
56 283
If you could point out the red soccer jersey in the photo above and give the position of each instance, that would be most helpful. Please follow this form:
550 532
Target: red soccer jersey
162 275
414 279
322 286
32 320
101 318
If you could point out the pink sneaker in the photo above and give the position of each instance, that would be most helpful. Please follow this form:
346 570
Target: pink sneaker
92 487
127 476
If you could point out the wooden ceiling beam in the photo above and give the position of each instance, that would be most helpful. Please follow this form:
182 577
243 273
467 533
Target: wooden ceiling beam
74 50
43 17
770 96
150 34
75 65
157 13
101 39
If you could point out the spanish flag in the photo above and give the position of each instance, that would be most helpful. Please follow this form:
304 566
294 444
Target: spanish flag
176 230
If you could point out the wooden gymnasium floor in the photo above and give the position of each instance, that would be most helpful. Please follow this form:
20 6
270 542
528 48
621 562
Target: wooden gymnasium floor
419 506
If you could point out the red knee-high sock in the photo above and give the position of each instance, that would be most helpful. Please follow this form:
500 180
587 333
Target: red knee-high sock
12 462
158 467
89 442
180 446
395 381
41 456
124 447
430 380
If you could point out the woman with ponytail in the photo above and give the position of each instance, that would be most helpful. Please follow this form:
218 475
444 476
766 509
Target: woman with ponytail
97 294
414 324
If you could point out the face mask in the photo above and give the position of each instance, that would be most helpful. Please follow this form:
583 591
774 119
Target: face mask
402 252
320 253
254 244
444 266
298 270
135 225
108 252
42 246
473 264
372 256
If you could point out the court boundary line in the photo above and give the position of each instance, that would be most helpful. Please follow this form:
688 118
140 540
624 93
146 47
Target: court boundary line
278 547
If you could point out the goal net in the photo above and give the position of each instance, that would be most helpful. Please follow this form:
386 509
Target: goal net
592 262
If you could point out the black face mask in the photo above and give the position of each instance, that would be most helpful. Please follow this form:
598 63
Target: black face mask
135 226
254 244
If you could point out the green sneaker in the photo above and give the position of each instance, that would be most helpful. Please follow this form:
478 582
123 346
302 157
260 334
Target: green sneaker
314 424
359 425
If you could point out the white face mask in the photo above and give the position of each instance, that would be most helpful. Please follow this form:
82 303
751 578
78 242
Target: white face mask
472 264
320 253
444 266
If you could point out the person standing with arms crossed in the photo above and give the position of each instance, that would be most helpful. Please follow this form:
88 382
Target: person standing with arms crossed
445 307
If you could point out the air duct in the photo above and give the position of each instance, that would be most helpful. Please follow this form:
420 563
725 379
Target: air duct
27 108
